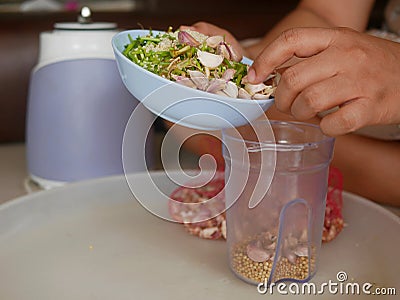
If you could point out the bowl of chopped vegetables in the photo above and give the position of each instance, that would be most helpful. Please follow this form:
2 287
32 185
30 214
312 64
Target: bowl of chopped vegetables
189 78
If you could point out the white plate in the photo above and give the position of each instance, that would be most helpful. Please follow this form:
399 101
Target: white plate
180 104
93 240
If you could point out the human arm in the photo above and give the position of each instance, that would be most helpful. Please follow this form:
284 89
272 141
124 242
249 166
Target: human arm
370 167
341 67
318 13
308 13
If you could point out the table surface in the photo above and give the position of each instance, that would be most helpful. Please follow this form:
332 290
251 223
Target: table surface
95 242
13 171
14 179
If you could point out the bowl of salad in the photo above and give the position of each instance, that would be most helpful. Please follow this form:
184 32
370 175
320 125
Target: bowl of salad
189 78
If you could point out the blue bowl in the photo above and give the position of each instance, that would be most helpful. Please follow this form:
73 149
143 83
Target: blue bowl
180 104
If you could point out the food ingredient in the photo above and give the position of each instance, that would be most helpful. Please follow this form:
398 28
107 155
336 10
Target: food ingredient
250 269
195 60
189 216
205 218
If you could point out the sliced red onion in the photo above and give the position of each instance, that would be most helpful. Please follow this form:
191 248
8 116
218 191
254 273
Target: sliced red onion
255 88
256 253
183 81
228 52
209 60
301 251
222 49
235 56
213 41
228 74
231 89
259 96
216 85
199 79
243 94
186 38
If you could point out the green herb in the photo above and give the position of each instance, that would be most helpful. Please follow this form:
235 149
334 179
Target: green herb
163 55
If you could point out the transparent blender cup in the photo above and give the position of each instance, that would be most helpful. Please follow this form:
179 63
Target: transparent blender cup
276 184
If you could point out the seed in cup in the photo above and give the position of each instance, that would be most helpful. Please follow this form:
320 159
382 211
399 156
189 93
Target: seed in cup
253 258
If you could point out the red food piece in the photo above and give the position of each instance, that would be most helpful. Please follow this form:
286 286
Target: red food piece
333 223
208 220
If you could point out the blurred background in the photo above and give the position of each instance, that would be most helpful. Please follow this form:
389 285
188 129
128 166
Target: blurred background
22 21
21 25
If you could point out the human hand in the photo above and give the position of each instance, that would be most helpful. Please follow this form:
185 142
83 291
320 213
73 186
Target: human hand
341 67
211 30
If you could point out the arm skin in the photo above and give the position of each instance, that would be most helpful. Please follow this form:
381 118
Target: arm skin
316 13
371 168
309 13
340 67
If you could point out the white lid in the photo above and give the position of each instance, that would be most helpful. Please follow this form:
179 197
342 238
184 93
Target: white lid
77 40
88 26
85 23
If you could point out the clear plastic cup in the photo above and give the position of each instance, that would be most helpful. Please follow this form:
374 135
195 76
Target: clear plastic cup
276 185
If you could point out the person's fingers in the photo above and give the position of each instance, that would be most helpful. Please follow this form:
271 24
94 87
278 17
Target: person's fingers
186 27
303 74
299 42
322 96
205 28
348 118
